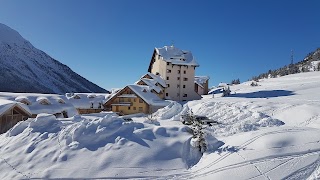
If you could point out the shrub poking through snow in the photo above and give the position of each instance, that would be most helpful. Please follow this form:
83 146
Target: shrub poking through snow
198 139
254 83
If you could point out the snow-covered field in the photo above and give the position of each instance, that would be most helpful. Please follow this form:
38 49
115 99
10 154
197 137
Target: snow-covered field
270 131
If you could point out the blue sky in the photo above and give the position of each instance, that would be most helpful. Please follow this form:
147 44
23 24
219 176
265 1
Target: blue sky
111 42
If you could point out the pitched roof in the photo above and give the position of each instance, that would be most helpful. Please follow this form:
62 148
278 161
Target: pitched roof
200 80
54 107
86 100
23 99
176 56
5 105
144 92
157 78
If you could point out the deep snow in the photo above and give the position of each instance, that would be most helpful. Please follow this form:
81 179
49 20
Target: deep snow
270 131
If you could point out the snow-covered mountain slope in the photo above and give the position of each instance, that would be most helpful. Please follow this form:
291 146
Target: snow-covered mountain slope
23 68
270 131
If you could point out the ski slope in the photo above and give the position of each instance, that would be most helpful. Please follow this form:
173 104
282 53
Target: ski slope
270 131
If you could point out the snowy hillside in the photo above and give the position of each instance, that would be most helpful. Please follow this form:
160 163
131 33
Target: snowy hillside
23 68
309 64
269 131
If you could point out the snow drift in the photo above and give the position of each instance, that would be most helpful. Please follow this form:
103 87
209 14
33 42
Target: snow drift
95 147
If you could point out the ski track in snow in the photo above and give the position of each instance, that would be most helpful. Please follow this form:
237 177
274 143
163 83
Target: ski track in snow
201 173
250 118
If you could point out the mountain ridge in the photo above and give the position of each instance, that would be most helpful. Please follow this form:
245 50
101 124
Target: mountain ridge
24 68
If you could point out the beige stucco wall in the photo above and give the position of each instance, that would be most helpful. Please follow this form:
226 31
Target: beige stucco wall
175 91
200 90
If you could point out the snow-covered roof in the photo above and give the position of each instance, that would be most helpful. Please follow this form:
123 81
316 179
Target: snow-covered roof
158 78
35 107
7 104
223 85
200 80
176 56
152 83
87 100
23 99
41 99
145 93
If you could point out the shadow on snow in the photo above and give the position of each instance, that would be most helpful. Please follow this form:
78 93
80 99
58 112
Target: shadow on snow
263 94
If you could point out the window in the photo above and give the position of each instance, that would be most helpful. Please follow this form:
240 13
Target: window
140 101
185 95
184 72
140 109
168 70
178 71
134 108
167 78
178 78
168 85
184 86
168 63
185 79
129 108
178 85
167 94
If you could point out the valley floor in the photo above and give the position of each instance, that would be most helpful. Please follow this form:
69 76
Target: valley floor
270 131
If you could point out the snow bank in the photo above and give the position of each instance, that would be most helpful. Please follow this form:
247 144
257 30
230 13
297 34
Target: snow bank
100 147
233 118
169 112
42 123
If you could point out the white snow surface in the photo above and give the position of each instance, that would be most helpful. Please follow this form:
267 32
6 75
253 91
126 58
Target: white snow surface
35 100
270 131
176 56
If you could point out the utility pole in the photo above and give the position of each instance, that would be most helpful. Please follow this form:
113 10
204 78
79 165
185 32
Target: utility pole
291 56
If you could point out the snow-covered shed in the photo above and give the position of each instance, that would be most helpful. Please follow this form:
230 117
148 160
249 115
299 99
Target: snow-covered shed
201 84
135 99
11 112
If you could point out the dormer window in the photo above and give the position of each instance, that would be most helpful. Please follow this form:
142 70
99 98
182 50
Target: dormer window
25 102
44 102
76 97
61 101
144 90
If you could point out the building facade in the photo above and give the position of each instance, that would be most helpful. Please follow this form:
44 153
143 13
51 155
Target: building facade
177 68
135 99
